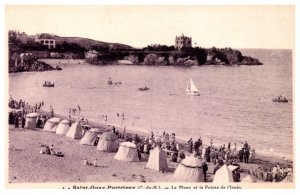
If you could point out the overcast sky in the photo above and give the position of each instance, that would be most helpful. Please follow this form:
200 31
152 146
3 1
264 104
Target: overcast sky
139 26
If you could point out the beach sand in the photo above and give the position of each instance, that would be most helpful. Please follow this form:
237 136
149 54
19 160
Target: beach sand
27 165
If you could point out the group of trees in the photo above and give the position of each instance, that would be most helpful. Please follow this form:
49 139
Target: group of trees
159 48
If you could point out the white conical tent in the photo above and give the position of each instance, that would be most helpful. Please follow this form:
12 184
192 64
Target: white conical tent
108 142
31 120
157 160
90 137
189 170
52 124
75 131
223 175
127 152
63 127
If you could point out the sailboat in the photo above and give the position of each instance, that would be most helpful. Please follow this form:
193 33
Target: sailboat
109 82
191 89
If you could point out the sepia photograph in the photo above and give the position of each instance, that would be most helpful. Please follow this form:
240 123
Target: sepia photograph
150 96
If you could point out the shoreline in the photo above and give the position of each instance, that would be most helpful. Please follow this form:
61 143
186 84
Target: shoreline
183 143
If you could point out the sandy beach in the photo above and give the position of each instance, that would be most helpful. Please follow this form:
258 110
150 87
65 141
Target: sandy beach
27 165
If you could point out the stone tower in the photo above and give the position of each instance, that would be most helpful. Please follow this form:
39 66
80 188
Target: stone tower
183 41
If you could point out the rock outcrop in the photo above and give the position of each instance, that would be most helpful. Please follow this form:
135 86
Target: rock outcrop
28 63
228 56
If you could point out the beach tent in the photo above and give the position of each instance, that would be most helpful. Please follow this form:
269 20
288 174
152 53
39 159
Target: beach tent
108 142
157 160
90 137
127 152
75 131
232 167
31 120
52 124
223 175
247 179
63 127
189 170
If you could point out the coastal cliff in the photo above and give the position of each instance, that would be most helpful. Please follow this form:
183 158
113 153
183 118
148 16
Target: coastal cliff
28 63
186 57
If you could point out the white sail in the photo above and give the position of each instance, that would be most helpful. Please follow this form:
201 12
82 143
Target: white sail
191 89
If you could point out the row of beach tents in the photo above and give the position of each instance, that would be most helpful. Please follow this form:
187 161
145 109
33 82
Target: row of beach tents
189 169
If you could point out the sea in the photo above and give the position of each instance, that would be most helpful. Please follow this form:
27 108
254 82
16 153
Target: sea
235 104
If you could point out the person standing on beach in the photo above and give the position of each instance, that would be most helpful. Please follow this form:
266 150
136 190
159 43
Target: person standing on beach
241 155
173 138
23 121
197 147
204 169
234 149
51 111
79 109
190 143
17 121
70 121
207 154
246 155
228 147
246 145
152 136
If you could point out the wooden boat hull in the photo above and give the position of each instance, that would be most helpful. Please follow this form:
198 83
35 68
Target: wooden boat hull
48 85
193 93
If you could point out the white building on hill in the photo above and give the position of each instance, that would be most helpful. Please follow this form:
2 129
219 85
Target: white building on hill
46 39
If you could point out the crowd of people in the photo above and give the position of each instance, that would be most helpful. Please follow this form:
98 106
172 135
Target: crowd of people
19 110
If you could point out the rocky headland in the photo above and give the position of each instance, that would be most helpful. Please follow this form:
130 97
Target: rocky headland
28 63
186 57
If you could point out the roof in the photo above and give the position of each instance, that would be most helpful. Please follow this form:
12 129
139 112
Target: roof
128 145
192 162
108 136
45 36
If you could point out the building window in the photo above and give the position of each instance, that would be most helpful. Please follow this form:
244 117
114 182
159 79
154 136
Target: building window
42 42
47 41
51 42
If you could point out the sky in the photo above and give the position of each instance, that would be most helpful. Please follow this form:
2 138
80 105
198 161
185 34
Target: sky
139 26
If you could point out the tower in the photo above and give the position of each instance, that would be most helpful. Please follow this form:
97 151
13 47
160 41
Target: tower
183 41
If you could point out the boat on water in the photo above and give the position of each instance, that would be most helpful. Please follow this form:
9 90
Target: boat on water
48 84
191 89
143 88
280 99
110 82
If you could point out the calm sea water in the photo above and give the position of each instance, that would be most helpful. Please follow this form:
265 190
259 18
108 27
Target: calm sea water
235 103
